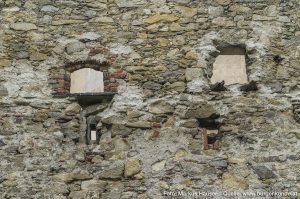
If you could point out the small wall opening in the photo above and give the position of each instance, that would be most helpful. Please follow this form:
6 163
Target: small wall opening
210 132
92 133
230 66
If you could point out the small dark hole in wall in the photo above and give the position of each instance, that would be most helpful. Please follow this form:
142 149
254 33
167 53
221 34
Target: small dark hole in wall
92 134
210 123
211 138
277 59
211 134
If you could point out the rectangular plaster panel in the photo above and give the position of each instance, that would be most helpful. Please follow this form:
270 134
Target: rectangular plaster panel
231 69
93 135
87 80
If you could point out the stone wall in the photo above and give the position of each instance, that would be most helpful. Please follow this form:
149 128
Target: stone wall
160 55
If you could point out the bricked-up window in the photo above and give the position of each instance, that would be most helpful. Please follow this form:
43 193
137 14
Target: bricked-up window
89 76
87 80
230 66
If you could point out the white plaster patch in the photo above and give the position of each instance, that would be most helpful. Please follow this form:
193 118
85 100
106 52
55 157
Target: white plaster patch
90 35
87 80
128 96
230 68
120 49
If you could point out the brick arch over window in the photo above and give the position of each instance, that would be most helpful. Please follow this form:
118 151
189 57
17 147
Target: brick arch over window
62 81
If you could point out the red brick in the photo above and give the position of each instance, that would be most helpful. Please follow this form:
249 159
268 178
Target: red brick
216 144
114 85
205 138
155 134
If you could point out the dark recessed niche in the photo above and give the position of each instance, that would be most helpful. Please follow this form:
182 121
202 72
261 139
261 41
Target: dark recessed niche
211 134
232 50
92 134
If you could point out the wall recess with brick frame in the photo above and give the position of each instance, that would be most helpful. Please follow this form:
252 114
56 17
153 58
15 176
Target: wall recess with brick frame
88 80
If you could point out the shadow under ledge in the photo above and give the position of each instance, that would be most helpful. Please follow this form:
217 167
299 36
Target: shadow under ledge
87 99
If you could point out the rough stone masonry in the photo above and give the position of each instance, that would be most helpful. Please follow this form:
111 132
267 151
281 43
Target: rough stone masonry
158 57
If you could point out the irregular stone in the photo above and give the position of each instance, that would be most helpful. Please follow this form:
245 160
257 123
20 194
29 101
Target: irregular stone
5 63
60 188
120 49
9 183
132 167
170 122
263 172
2 143
195 146
152 86
120 129
196 86
161 17
139 124
204 111
90 13
74 47
99 5
192 73
191 55
239 8
297 133
180 153
114 171
215 11
234 182
78 195
121 145
158 166
72 109
69 177
23 26
222 21
134 114
11 9
191 123
41 115
161 107
163 42
177 86
102 20
218 163
3 91
186 11
223 2
49 8
136 68
95 109
90 36
130 3
175 27
37 56
271 11
67 22
284 19
182 1
261 18
91 185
